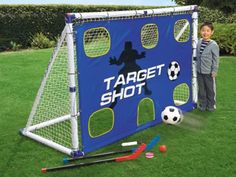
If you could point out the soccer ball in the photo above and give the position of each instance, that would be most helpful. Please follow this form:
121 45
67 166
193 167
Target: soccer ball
172 115
173 70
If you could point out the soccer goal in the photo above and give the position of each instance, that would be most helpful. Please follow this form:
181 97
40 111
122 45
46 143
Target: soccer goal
108 70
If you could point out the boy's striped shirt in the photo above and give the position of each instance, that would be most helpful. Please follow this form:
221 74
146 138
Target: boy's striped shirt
203 46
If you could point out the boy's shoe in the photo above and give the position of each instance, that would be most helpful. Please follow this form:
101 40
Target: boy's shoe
211 109
202 109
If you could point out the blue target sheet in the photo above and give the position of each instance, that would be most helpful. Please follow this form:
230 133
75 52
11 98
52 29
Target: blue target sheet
129 70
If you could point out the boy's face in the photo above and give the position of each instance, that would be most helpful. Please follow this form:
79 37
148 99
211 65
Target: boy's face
206 33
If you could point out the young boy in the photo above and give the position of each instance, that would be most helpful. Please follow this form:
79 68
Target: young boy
207 67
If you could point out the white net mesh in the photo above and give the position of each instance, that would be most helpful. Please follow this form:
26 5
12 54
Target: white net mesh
96 42
181 94
53 99
149 36
182 30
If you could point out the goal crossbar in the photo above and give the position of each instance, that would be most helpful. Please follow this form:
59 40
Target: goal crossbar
111 14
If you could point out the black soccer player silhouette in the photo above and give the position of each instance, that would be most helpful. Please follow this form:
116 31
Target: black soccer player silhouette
128 57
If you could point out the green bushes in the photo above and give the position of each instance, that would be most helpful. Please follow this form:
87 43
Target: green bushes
14 46
39 40
21 23
215 16
225 36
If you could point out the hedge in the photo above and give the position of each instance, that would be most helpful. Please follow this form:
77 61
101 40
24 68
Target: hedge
18 23
215 16
225 36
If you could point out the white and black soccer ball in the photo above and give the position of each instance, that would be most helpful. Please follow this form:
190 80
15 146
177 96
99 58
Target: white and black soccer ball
172 115
173 70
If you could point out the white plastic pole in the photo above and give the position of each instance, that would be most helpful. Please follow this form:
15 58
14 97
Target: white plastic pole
194 45
111 14
47 142
48 123
71 75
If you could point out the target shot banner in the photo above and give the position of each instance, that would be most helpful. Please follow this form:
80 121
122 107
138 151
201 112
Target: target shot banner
124 63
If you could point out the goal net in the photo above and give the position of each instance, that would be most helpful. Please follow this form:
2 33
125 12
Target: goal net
50 119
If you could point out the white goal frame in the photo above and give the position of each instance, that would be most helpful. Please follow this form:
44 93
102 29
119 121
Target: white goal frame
74 111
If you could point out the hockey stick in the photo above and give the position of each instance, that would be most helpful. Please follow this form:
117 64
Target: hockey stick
132 156
68 160
152 143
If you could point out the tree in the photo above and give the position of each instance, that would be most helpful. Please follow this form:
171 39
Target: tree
227 6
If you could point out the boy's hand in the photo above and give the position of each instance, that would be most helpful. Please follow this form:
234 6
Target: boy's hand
213 75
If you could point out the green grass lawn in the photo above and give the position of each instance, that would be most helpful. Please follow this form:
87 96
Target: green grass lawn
204 145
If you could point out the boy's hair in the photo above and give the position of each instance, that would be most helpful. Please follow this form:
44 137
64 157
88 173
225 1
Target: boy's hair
208 24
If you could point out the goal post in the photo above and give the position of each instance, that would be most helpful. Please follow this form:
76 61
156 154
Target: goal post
89 80
194 58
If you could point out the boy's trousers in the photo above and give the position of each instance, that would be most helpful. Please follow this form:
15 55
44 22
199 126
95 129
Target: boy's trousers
206 91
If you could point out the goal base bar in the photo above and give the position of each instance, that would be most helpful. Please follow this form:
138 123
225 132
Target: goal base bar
68 151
